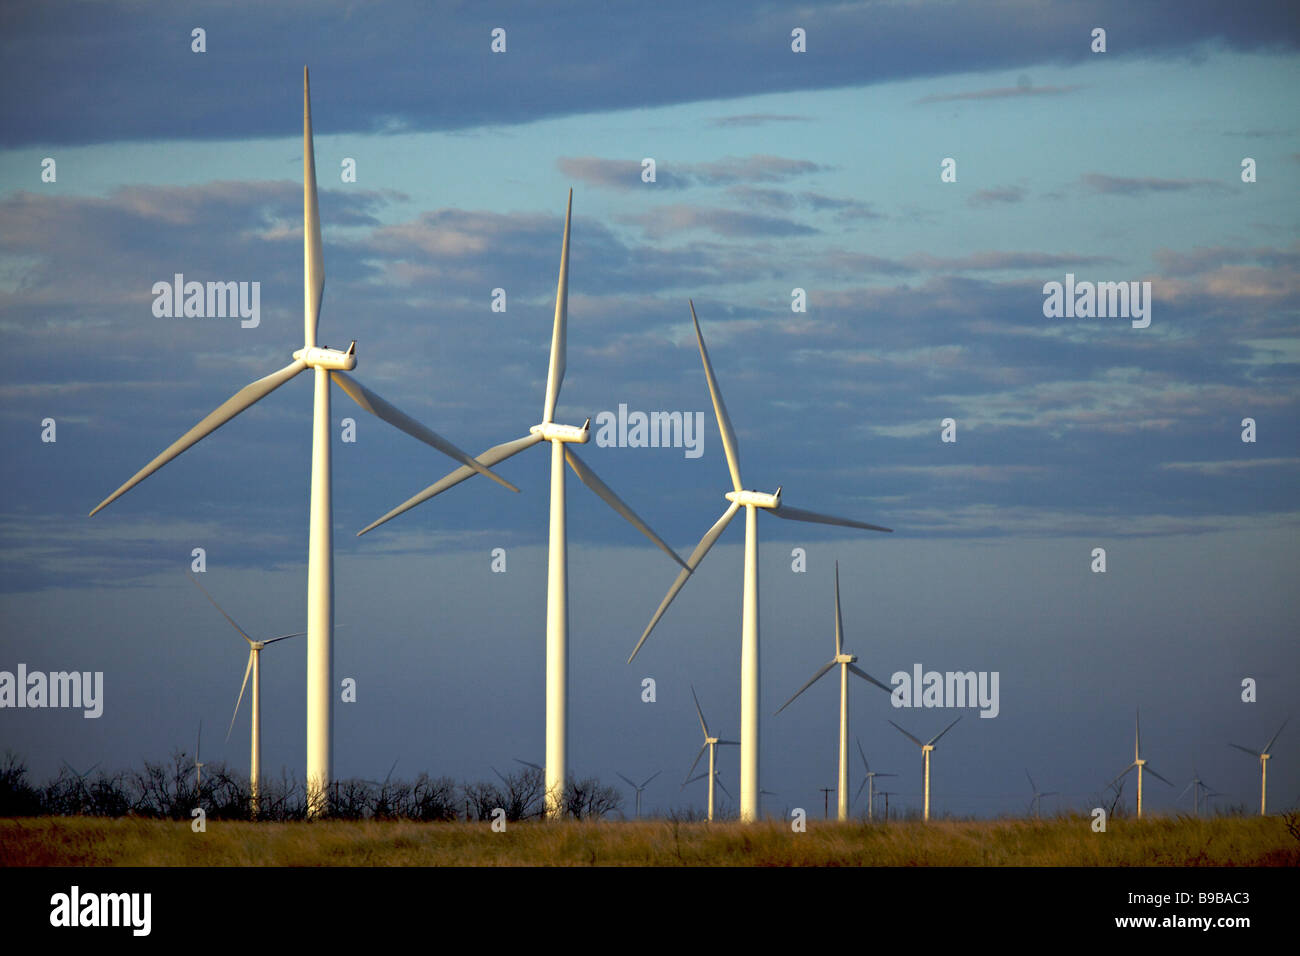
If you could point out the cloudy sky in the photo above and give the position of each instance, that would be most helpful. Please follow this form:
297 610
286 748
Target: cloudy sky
774 171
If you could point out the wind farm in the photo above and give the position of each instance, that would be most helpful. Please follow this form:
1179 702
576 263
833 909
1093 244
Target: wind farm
1007 433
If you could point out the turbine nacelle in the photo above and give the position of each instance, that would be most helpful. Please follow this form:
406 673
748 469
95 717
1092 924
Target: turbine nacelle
550 431
322 356
845 658
757 499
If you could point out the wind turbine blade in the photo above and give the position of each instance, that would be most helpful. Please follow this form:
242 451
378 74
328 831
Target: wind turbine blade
490 457
1275 736
814 680
935 739
555 374
1148 769
1048 793
697 556
285 637
1247 750
854 668
625 780
722 787
720 410
649 778
839 623
728 743
798 514
886 774
862 786
527 764
313 260
399 419
590 479
695 763
1033 786
242 632
907 735
1137 736
686 783
238 700
498 773
863 754
1185 789
242 399
1121 776
703 726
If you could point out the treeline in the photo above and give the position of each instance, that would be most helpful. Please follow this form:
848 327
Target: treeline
170 791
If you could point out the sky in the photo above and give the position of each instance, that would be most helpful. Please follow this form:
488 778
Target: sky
775 171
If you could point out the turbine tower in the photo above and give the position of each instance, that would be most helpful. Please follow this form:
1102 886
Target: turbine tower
198 767
255 668
711 743
1139 763
847 666
1037 801
926 748
557 585
328 364
638 789
1263 756
749 650
868 781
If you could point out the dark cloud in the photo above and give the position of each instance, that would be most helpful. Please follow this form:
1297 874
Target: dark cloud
1142 185
999 93
90 71
998 195
627 174
669 220
754 119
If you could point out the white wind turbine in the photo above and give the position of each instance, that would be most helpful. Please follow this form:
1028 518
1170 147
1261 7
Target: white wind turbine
255 668
198 766
926 749
869 781
1037 801
1263 756
557 585
639 788
711 744
847 666
328 364
749 663
1139 763
83 792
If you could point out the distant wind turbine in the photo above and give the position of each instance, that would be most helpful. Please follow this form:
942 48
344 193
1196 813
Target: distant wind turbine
1263 756
561 438
328 364
1196 785
751 501
198 765
926 748
1037 800
847 666
868 781
639 788
711 743
1139 763
83 792
255 668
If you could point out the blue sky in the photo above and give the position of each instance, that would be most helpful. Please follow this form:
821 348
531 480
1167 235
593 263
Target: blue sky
775 170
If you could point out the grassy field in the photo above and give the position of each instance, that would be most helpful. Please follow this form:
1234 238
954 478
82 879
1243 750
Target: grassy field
1066 841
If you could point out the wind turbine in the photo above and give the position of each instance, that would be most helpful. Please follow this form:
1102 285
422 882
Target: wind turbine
847 666
255 668
1139 763
1263 756
751 501
711 743
83 792
1037 801
1196 786
638 789
868 781
328 364
715 778
198 766
557 584
926 748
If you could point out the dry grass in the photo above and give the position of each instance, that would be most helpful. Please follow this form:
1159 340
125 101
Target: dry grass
1068 841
